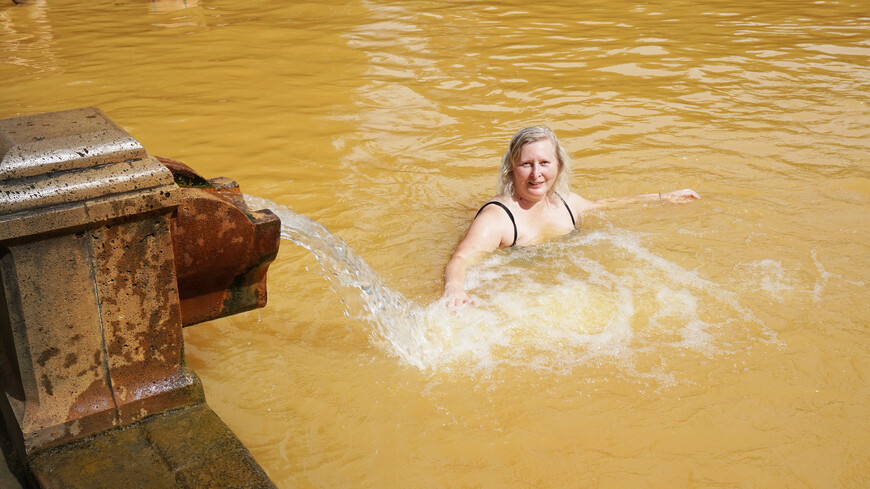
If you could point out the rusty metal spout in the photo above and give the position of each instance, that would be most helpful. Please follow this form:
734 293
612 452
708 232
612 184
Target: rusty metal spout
222 248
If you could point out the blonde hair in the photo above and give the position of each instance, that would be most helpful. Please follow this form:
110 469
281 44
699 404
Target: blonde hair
512 156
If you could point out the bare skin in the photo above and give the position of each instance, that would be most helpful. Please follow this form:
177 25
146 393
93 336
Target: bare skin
539 213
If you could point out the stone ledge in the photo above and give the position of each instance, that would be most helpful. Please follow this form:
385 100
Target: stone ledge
62 141
188 448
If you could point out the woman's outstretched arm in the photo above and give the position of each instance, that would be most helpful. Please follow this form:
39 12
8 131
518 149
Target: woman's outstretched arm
580 205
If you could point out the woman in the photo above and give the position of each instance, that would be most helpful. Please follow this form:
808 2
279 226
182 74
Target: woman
534 203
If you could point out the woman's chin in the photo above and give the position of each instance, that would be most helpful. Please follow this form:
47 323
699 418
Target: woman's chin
535 193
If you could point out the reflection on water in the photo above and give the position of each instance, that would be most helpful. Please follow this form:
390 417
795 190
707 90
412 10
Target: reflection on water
159 6
718 344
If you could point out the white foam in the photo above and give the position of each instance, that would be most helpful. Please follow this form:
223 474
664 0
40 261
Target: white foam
767 275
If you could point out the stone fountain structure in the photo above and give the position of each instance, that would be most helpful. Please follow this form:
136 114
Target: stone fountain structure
106 252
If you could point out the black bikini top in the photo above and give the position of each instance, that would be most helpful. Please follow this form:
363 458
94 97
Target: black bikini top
514 222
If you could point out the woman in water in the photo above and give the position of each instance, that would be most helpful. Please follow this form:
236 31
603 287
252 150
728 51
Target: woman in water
534 203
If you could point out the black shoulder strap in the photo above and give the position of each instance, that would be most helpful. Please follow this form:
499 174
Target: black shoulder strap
569 210
509 215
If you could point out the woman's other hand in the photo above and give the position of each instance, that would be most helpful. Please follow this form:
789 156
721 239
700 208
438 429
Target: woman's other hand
680 196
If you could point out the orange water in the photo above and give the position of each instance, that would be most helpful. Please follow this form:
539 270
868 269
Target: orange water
718 344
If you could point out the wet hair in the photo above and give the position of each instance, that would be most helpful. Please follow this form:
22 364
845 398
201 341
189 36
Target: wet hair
512 156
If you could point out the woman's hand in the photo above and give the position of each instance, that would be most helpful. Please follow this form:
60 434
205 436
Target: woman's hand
454 299
680 196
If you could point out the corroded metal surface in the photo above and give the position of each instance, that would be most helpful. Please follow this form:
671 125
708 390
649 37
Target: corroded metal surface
222 248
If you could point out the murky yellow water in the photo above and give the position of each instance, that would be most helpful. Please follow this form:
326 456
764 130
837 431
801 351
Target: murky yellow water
718 344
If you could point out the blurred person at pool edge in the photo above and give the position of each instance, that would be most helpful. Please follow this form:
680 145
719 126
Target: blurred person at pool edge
534 204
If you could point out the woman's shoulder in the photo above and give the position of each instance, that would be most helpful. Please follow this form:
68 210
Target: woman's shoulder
494 218
578 204
495 201
496 205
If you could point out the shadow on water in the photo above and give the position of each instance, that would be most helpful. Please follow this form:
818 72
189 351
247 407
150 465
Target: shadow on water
591 297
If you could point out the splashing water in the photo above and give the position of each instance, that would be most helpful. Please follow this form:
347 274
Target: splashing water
590 296
393 317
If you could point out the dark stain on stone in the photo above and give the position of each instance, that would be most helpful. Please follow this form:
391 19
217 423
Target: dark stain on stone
70 360
47 383
46 356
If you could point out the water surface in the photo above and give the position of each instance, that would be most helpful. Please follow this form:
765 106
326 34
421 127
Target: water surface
717 344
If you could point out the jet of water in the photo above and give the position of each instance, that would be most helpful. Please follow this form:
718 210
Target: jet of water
394 318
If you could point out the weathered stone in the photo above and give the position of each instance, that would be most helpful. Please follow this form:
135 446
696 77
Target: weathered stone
61 389
42 144
93 234
87 268
189 448
53 177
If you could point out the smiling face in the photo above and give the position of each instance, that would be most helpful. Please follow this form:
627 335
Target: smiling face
536 170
